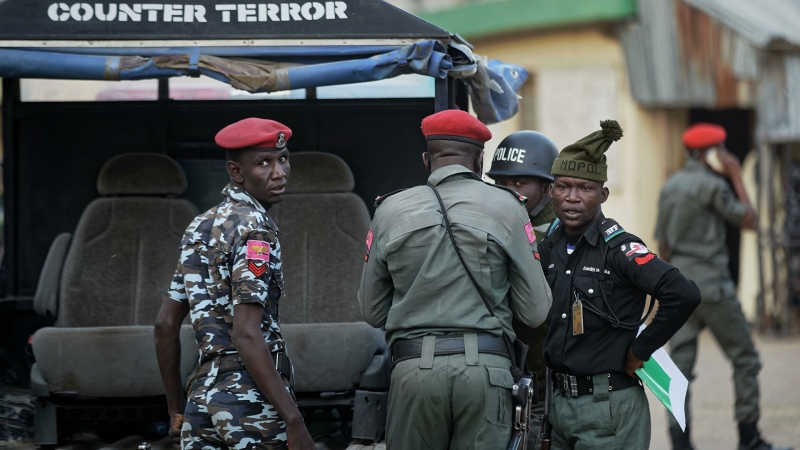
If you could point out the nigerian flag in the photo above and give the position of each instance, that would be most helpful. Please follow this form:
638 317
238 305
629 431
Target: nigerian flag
662 376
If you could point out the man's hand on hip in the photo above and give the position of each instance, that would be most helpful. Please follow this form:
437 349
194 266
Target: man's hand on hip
632 364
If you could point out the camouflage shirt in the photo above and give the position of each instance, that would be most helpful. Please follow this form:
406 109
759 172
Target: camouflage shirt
229 255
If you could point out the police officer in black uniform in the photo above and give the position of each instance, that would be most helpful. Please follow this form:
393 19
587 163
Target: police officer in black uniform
600 276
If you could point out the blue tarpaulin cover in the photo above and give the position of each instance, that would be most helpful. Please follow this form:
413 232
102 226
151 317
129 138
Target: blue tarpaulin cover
492 84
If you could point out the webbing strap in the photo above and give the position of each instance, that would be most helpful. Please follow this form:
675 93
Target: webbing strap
458 252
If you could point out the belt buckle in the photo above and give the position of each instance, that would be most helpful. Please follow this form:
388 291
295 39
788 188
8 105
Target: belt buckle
567 384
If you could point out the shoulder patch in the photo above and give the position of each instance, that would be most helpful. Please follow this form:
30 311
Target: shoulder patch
637 252
521 198
258 250
379 199
369 244
529 231
257 256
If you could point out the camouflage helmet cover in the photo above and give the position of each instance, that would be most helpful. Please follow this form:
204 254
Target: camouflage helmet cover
524 153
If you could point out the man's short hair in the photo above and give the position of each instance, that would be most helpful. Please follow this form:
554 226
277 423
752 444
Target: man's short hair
234 155
452 148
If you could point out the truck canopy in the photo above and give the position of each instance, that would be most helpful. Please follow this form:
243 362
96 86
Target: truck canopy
265 47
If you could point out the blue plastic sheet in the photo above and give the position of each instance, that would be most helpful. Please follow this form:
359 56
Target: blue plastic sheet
493 85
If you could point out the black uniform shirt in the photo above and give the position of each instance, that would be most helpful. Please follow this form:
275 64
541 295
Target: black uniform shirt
629 273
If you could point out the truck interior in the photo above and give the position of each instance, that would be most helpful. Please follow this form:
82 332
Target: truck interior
96 195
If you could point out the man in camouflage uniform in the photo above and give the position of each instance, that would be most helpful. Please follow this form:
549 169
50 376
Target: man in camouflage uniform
522 162
229 279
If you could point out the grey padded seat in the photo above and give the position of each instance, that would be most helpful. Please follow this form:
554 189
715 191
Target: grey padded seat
115 274
323 228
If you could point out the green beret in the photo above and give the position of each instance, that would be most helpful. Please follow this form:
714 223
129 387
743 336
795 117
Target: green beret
586 158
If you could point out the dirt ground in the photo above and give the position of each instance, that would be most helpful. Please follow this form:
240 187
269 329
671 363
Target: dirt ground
714 427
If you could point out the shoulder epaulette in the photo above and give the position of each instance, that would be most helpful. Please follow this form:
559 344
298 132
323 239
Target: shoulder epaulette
379 199
553 226
610 230
522 199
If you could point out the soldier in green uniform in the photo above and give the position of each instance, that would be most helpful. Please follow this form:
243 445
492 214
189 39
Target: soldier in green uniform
694 206
451 381
522 162
601 276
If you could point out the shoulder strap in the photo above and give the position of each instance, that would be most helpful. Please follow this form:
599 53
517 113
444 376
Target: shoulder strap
522 199
610 230
458 252
379 199
553 226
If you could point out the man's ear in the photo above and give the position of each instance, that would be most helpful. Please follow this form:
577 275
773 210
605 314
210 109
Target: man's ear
234 171
547 188
479 161
604 192
426 159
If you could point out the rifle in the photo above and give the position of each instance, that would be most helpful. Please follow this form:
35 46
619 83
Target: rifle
545 430
523 395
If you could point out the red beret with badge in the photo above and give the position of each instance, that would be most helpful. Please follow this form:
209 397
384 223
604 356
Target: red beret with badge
455 125
254 134
703 135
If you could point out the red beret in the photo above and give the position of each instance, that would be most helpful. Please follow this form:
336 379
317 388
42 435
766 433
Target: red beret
254 133
703 135
455 125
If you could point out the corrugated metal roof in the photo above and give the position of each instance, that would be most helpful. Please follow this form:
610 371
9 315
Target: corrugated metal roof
719 54
767 24
678 56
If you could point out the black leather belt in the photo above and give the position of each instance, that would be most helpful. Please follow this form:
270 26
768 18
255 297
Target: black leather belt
574 386
448 345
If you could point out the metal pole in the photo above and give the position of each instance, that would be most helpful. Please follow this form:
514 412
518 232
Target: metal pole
11 99
761 188
772 237
442 100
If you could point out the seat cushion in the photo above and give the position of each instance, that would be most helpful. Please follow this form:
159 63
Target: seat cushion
323 242
331 357
121 261
106 361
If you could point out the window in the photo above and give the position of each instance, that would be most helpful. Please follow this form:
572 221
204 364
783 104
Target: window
40 90
206 88
404 86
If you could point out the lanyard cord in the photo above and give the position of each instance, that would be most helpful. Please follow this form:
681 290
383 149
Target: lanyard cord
611 316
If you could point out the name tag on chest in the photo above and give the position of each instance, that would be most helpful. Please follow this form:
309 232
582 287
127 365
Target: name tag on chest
577 318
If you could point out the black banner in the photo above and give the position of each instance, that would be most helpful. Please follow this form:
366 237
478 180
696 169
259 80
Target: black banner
208 19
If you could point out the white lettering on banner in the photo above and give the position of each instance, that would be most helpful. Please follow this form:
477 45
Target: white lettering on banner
509 154
152 11
125 11
245 12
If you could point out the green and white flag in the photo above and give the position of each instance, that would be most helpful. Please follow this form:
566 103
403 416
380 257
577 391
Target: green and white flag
665 380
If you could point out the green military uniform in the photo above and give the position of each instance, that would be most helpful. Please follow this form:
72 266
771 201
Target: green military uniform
414 284
693 209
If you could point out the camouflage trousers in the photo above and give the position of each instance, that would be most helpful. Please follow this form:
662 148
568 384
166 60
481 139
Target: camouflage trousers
229 411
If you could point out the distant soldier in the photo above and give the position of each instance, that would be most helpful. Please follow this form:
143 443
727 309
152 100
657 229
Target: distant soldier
522 162
694 206
601 276
446 319
230 279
